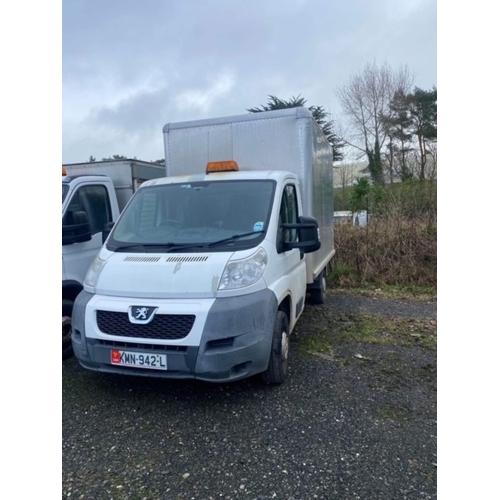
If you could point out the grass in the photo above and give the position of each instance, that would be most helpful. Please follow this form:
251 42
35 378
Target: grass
396 413
324 334
389 330
401 292
318 344
381 345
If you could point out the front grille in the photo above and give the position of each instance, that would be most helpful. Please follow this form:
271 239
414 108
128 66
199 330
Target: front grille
163 326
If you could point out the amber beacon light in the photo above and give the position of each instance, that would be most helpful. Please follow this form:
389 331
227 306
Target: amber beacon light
222 166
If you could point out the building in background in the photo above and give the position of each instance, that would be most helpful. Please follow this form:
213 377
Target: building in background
359 218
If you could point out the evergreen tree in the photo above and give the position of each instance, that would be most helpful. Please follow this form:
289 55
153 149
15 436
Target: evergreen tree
423 115
319 114
116 157
359 195
375 165
398 128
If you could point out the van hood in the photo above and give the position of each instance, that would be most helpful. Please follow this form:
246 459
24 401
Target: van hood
163 276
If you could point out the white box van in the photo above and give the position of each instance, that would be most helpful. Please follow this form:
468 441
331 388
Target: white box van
206 271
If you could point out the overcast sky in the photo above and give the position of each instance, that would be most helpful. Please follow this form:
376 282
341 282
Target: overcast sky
129 67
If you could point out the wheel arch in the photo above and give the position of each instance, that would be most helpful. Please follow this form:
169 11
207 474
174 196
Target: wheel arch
70 289
286 306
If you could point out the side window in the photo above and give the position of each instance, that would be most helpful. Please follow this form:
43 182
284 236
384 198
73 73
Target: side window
74 206
289 212
93 200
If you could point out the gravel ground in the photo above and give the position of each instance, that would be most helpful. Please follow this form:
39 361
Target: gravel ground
354 422
348 304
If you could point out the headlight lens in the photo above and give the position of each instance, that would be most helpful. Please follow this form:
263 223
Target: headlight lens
94 272
244 272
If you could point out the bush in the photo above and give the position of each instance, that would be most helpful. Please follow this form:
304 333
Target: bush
399 244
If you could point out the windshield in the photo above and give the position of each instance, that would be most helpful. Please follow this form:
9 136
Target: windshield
65 190
218 215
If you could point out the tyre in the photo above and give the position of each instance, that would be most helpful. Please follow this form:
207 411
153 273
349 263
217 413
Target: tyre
317 295
277 369
67 348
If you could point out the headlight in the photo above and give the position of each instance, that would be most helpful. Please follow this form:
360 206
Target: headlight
93 273
244 272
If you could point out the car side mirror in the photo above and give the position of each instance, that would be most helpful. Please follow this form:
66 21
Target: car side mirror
78 231
308 231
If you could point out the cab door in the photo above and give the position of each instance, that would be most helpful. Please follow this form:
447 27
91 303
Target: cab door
94 200
293 263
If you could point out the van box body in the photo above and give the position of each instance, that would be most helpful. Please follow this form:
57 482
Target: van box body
287 139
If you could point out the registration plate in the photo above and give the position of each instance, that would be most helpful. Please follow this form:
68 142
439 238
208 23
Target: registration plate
139 359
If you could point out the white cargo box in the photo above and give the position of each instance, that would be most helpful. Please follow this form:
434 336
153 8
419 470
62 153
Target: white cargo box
287 139
126 175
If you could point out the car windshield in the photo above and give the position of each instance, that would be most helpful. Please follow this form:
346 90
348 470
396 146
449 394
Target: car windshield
65 190
218 215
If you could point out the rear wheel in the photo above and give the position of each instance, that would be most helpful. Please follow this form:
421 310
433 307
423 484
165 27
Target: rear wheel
67 348
317 295
277 369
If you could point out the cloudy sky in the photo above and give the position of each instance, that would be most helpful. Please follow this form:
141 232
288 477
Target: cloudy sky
129 67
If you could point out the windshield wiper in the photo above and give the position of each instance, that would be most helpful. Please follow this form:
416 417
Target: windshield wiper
145 246
161 247
233 238
168 247
184 246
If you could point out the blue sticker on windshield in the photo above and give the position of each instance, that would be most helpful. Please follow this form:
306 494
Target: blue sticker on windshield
258 226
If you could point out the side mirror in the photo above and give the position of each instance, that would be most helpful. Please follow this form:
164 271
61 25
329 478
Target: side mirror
106 230
307 228
78 231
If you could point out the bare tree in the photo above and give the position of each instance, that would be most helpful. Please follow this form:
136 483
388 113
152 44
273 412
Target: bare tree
365 100
344 175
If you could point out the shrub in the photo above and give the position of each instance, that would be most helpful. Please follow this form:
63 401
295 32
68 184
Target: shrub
389 250
399 244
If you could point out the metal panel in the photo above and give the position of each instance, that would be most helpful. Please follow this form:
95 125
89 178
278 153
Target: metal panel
320 202
288 140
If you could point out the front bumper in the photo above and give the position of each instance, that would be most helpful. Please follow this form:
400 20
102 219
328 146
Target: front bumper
235 342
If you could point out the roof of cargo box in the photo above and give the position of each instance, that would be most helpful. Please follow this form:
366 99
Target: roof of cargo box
259 175
299 112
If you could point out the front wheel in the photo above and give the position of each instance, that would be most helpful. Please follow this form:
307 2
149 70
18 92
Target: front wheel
277 369
67 348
